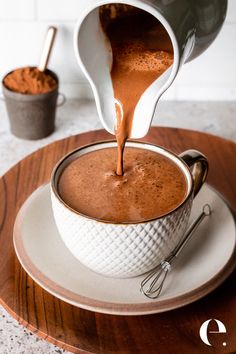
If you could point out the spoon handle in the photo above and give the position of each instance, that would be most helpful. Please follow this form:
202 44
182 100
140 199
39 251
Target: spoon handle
48 44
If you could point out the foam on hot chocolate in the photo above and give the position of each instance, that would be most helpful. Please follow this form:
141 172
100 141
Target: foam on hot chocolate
135 57
151 186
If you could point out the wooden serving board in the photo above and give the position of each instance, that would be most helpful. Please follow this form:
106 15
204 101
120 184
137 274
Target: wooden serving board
82 331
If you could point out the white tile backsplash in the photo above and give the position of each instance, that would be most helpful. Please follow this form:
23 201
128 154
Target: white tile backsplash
216 65
213 74
206 93
22 29
80 90
17 10
64 10
231 12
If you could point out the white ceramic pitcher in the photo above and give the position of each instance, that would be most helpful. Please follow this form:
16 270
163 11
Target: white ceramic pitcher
192 26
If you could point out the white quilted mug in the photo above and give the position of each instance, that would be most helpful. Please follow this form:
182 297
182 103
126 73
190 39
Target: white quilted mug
126 249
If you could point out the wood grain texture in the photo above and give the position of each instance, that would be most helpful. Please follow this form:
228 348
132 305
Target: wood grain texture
80 330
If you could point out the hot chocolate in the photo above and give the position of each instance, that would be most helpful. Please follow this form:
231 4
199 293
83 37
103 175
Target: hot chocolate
142 51
151 186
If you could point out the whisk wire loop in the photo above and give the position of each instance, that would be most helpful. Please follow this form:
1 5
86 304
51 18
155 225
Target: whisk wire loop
152 285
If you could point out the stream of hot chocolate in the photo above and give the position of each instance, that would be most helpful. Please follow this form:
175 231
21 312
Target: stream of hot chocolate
142 51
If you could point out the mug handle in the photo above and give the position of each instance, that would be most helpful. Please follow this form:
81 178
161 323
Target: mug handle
2 96
62 100
200 167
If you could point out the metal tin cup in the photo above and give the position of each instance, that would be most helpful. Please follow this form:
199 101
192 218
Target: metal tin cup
32 116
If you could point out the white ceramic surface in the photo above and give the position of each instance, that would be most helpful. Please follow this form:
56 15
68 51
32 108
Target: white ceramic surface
205 262
120 250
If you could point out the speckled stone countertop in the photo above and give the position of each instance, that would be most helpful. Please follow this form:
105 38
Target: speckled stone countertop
79 116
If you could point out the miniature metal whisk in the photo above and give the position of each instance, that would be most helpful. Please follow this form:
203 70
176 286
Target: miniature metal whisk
152 284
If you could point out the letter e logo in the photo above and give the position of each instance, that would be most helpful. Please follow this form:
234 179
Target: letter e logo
204 327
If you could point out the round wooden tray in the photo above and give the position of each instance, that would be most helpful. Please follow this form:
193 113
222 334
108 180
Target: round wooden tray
79 330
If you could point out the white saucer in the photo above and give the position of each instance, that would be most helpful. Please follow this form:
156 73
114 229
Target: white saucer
204 264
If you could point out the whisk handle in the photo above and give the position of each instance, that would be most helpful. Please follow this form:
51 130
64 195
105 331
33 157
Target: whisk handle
206 211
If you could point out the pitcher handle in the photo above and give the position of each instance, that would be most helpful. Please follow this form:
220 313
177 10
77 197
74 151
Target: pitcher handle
198 161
